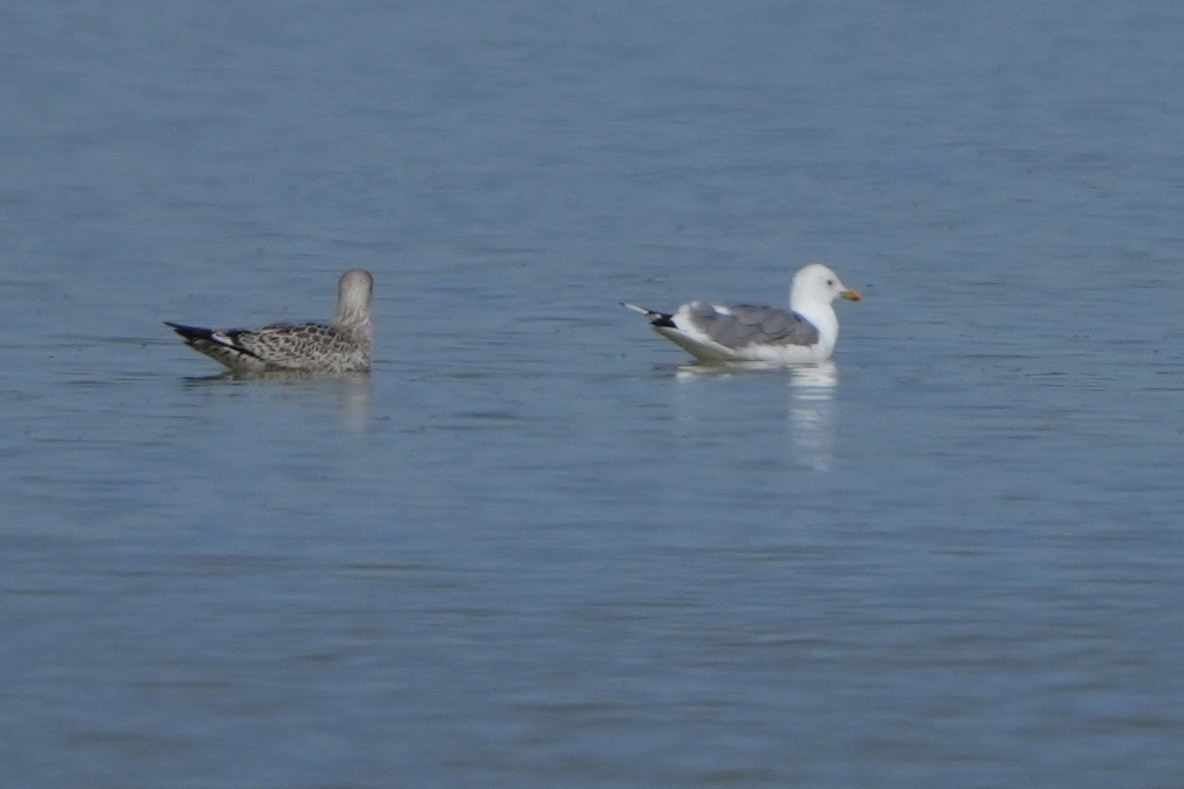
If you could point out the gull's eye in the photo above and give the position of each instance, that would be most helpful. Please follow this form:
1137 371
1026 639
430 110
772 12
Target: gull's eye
830 282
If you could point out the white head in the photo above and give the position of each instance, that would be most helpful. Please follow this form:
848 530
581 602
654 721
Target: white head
353 297
816 285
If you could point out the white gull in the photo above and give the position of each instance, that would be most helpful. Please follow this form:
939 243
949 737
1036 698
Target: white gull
807 332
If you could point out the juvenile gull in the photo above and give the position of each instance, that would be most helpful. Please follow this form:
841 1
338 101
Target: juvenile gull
340 346
717 333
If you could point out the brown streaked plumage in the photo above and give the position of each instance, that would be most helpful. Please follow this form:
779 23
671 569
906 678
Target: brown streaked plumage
343 345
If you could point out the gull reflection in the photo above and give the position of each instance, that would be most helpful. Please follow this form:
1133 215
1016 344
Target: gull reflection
352 390
692 370
354 398
811 412
810 420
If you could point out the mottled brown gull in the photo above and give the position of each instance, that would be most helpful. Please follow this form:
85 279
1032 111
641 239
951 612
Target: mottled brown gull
340 346
807 332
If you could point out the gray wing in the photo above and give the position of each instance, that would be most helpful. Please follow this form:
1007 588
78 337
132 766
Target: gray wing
744 324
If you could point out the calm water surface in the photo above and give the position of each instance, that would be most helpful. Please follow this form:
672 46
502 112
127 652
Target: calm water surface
532 548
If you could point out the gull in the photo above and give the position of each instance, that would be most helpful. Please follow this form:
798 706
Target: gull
717 333
340 346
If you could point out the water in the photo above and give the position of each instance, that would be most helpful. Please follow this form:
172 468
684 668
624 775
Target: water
532 549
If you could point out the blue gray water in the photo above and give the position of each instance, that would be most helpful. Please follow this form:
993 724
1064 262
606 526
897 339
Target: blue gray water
533 549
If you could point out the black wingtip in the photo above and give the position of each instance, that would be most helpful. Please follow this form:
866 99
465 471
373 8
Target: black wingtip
189 332
656 318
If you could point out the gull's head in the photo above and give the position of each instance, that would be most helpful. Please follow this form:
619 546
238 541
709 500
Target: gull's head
816 283
353 302
355 289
